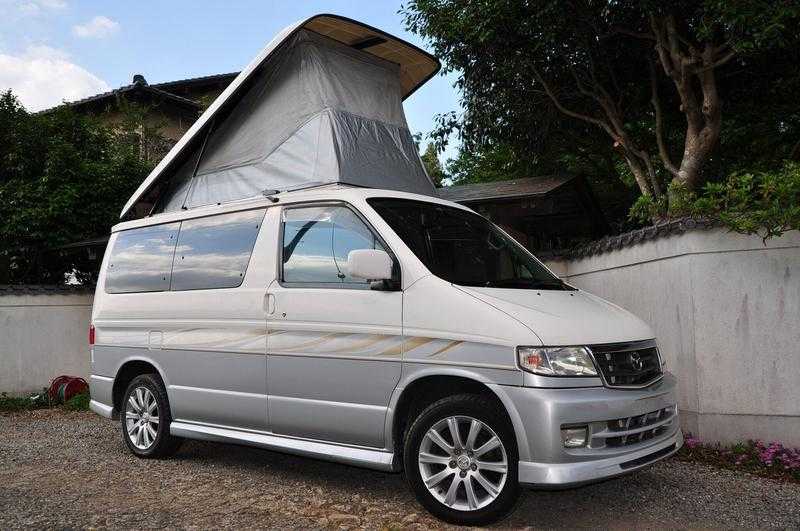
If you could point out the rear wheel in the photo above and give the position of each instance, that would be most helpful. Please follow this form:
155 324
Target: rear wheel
146 417
460 459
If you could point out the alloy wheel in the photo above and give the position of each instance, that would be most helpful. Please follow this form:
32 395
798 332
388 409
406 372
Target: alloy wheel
463 463
141 418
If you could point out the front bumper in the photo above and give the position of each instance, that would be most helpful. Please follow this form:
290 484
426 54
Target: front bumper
572 474
543 412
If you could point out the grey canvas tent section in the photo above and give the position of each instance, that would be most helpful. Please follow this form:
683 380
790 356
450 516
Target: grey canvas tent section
321 104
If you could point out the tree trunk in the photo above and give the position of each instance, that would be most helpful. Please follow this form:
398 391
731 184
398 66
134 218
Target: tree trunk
639 173
687 68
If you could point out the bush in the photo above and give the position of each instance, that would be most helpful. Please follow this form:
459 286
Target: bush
79 402
771 460
12 403
63 178
766 203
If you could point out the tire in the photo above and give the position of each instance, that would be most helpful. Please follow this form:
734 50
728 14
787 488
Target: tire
494 494
144 437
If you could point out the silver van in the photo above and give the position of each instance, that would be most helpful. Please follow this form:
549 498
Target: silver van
377 328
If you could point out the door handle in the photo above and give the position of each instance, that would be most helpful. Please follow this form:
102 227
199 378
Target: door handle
269 303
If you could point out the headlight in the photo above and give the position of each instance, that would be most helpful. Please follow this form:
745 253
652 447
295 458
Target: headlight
556 361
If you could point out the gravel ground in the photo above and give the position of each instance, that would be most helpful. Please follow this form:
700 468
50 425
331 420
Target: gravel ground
71 470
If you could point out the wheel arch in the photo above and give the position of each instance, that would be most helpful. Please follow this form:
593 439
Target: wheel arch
427 385
128 369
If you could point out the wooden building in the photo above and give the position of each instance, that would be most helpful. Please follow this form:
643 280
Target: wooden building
545 213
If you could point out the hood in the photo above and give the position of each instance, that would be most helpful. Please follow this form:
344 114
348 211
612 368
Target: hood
566 317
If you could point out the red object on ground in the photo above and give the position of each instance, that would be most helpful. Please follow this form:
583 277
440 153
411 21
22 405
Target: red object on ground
64 387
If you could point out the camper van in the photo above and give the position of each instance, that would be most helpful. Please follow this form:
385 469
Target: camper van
287 278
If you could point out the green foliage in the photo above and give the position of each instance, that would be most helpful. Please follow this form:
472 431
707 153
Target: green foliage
493 163
772 460
766 203
430 159
510 126
63 178
11 403
79 402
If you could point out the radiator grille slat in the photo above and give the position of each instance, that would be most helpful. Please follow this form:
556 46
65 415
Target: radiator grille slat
628 365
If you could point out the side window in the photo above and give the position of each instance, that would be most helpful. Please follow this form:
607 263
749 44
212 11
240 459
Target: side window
213 252
317 240
141 259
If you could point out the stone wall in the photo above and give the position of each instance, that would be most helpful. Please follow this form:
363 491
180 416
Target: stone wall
726 311
43 334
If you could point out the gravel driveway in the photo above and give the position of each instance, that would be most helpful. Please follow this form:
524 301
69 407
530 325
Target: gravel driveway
71 470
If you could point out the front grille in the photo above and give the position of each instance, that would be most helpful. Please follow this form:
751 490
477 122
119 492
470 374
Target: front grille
629 364
634 430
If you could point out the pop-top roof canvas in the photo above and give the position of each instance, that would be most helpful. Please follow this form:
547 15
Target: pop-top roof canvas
316 111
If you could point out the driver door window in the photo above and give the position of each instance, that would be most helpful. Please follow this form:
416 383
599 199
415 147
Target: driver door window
316 242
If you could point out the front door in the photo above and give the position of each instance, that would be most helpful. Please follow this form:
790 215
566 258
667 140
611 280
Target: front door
334 344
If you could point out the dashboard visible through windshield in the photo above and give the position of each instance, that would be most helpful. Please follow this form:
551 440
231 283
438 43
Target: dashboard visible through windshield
462 247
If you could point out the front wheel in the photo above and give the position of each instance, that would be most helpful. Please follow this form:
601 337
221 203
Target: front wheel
460 459
146 417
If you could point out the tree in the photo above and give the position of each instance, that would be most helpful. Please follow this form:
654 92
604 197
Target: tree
63 178
652 77
430 159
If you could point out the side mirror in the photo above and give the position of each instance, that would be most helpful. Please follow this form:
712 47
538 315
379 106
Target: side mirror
369 264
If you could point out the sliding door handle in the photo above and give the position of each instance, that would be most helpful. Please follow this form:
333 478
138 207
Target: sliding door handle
269 304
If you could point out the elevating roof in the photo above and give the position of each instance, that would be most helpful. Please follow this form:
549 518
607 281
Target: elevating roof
344 128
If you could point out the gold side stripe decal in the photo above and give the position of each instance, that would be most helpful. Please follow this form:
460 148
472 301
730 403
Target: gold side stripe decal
406 346
355 347
444 349
319 341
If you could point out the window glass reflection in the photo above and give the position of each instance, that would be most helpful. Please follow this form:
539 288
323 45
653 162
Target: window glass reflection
317 240
213 252
141 259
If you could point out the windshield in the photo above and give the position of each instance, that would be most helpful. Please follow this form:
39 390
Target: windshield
462 247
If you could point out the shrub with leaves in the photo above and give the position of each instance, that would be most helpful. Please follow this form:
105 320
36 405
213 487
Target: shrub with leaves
13 403
771 460
63 178
766 203
79 402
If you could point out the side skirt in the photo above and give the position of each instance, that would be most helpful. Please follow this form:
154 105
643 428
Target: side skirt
349 455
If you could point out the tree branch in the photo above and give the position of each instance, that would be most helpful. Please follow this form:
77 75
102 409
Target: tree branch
580 116
656 101
651 172
716 64
675 65
619 30
581 87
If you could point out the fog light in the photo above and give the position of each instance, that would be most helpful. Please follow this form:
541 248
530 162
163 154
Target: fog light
574 437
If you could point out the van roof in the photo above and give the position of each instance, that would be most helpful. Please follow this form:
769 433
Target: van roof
328 192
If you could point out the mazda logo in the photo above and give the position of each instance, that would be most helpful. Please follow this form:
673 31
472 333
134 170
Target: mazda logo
636 361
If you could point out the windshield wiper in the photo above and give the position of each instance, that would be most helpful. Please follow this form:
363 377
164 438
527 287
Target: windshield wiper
552 283
529 283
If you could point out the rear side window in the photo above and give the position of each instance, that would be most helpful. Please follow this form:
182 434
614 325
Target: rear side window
204 253
214 252
316 242
142 259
